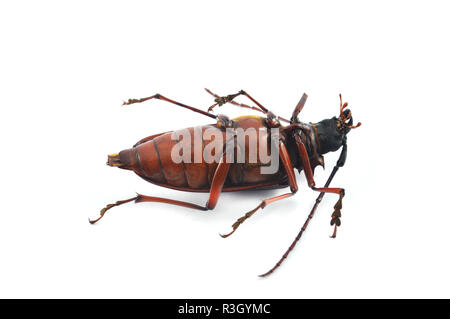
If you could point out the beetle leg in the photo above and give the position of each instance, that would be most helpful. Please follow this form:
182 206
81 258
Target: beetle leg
232 102
160 97
285 159
340 163
298 108
254 101
309 172
264 110
306 223
221 100
261 108
109 206
216 188
229 98
335 217
263 204
143 198
311 183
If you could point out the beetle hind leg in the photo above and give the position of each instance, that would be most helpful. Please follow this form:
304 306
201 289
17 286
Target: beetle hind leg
216 188
143 198
109 206
284 156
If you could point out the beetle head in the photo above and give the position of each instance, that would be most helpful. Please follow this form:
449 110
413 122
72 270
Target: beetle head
332 133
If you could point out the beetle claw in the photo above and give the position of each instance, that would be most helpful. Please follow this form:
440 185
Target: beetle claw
92 222
130 101
229 234
109 206
242 219
334 232
211 107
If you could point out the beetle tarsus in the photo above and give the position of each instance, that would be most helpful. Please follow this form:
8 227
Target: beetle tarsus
109 206
211 107
242 219
161 97
334 232
131 101
229 234
221 100
336 216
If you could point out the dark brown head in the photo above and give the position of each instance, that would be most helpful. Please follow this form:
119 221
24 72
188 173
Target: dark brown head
332 133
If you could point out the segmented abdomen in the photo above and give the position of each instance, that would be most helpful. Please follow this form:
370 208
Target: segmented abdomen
151 158
157 165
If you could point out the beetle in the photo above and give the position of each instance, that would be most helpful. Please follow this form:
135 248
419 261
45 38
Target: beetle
299 146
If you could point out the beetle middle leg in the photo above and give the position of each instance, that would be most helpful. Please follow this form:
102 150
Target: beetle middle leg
263 204
285 159
340 163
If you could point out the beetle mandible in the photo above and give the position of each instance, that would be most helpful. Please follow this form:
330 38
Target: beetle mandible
299 145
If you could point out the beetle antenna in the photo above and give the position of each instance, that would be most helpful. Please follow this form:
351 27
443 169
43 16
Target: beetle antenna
343 118
305 225
342 107
354 126
109 206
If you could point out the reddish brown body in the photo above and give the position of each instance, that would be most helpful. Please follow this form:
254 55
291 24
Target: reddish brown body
151 159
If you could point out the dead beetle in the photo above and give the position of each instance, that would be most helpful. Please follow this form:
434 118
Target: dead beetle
298 145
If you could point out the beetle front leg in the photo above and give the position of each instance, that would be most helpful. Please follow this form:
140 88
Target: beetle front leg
335 217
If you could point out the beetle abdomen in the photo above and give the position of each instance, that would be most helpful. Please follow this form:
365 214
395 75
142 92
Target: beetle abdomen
152 160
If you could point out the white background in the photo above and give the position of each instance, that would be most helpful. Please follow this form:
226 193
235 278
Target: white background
67 67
